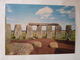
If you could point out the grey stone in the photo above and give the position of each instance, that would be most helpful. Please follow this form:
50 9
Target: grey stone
17 30
20 37
58 31
29 32
44 33
68 32
49 31
37 44
54 45
19 48
8 33
39 31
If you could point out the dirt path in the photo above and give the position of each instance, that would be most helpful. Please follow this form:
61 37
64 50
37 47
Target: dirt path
45 49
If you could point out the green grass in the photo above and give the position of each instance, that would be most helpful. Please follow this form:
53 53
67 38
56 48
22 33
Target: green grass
64 38
63 35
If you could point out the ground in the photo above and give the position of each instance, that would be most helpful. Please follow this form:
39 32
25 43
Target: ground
65 46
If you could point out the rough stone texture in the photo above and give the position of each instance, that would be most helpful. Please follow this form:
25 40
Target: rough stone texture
44 33
49 31
54 45
19 48
20 37
39 31
17 30
37 44
8 33
43 24
68 32
58 31
29 32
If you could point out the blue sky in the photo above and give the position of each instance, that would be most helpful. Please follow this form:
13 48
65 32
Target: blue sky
26 13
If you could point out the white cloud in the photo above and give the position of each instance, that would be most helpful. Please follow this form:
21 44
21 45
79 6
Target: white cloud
62 11
9 9
70 13
10 19
47 15
52 18
42 17
44 12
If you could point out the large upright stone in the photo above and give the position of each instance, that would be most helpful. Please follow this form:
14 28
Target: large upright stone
58 30
17 30
29 32
44 33
49 31
8 33
39 31
68 32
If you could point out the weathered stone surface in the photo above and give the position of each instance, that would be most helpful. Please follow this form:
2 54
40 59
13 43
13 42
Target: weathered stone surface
49 31
58 31
54 45
37 44
43 24
29 32
44 33
17 30
19 48
68 32
20 37
8 33
39 31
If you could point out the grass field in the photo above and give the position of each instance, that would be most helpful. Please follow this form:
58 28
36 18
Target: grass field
44 35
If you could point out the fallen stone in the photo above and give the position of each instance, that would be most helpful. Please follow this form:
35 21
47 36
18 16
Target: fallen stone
54 45
37 44
19 48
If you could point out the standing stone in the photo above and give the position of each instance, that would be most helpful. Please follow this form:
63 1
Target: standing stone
39 31
8 33
49 31
17 31
29 32
68 32
58 32
44 33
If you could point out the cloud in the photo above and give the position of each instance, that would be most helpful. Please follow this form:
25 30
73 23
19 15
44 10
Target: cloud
62 11
70 13
52 18
45 12
9 9
10 19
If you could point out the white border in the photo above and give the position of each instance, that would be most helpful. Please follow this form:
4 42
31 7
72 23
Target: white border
75 56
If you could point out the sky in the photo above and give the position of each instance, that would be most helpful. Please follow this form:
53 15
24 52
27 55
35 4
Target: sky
27 13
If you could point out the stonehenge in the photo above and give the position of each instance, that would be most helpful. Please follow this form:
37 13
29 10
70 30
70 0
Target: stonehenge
8 33
39 33
49 31
58 30
17 30
29 32
68 32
